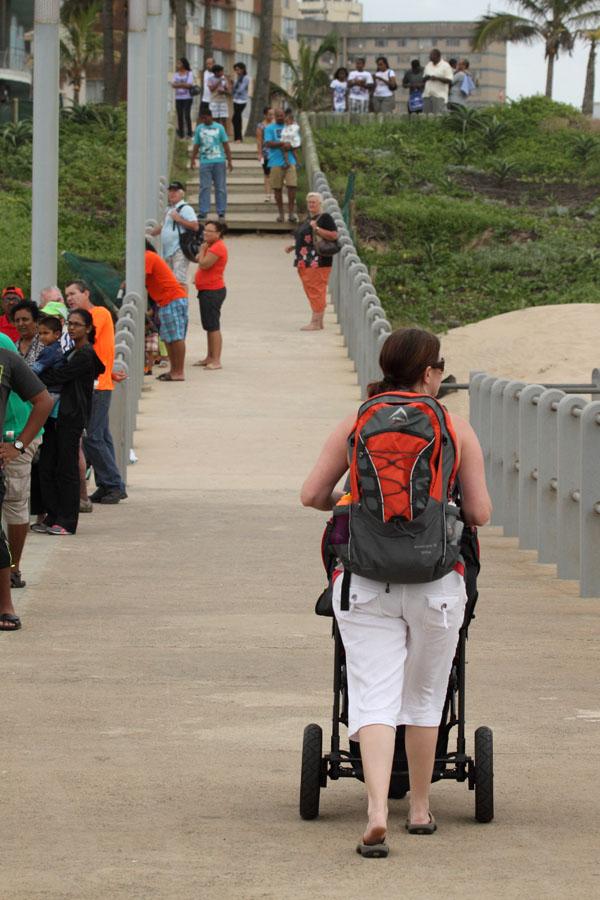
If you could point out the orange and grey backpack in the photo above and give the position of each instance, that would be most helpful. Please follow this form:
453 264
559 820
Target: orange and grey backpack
399 523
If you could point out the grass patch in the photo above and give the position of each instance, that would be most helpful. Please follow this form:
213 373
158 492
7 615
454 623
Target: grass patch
91 196
469 216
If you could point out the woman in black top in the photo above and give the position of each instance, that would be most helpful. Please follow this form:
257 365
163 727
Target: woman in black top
59 459
313 269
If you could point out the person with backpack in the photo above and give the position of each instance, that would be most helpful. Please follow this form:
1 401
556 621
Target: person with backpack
179 218
399 592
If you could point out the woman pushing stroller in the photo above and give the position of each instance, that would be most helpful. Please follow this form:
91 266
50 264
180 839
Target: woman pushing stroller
399 635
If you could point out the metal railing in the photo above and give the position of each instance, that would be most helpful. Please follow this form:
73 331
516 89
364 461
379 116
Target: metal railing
541 443
541 448
362 319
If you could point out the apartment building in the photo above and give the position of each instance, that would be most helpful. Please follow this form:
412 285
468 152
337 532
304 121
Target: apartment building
401 42
332 10
16 22
236 32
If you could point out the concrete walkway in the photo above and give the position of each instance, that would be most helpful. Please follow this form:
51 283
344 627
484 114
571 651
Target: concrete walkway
154 701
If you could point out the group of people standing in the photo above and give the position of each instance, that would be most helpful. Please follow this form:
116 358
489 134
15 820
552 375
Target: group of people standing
56 382
167 281
217 89
432 89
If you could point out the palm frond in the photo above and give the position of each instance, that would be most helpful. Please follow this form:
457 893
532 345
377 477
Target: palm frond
504 27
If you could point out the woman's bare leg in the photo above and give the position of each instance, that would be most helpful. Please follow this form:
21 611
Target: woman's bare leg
214 340
315 324
83 494
420 753
377 744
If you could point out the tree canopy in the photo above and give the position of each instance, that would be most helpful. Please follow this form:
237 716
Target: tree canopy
557 22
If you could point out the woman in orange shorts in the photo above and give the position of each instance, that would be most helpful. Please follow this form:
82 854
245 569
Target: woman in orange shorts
313 269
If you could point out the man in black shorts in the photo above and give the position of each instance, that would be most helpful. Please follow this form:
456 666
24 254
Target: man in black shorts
15 375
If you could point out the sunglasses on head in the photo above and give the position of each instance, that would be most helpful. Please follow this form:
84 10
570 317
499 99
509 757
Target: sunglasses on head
439 365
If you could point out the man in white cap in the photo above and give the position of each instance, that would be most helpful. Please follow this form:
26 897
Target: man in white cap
179 217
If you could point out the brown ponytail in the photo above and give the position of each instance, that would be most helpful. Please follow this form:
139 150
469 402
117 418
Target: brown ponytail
404 358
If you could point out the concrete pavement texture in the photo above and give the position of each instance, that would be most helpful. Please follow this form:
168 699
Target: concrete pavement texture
155 699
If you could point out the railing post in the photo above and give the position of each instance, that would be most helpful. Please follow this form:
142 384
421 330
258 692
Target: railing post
495 476
475 380
589 584
510 458
485 422
569 485
547 514
528 462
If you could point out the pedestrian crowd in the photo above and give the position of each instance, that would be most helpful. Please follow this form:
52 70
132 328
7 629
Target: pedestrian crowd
56 380
438 86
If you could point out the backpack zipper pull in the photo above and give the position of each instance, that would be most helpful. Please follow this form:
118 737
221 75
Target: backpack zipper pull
444 608
387 588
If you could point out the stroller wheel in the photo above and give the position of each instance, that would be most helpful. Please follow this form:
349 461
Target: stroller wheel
310 778
484 774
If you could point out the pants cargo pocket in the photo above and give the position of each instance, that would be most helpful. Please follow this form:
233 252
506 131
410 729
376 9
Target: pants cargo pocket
443 610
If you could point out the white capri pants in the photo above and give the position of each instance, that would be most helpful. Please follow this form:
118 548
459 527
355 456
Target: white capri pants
400 640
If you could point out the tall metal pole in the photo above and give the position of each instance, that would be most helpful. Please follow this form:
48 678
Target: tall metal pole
155 131
165 92
44 225
136 173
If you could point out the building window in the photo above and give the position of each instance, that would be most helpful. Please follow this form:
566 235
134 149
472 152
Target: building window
425 43
380 43
248 22
290 29
94 91
356 45
220 19
403 42
287 73
453 42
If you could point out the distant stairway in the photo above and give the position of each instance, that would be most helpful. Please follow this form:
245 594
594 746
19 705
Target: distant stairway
246 207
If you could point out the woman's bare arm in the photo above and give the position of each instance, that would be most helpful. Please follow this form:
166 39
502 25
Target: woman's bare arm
476 503
318 489
205 258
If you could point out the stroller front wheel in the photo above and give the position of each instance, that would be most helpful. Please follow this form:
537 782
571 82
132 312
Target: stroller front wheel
484 774
310 778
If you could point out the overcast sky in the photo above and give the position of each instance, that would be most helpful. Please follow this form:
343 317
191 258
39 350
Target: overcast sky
526 67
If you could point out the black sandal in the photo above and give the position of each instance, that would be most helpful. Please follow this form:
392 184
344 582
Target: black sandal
15 579
14 620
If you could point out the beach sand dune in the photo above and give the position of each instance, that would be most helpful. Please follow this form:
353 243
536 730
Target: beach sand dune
543 344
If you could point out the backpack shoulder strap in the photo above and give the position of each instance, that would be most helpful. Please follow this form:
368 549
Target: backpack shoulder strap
345 595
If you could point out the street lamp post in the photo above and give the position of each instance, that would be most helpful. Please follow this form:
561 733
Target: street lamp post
44 193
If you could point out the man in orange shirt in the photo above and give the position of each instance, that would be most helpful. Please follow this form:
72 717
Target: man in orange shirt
166 292
98 443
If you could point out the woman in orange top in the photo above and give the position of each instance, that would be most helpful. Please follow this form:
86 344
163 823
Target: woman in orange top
212 260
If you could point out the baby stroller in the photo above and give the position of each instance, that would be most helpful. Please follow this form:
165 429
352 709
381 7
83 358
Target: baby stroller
454 764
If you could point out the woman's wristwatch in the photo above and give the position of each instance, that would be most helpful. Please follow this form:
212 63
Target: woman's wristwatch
19 445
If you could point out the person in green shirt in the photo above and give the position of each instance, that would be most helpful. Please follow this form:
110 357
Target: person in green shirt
21 428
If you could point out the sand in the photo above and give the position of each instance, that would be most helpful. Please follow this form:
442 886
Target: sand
544 344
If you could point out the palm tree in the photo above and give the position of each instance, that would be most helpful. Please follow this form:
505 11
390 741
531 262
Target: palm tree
310 82
593 36
207 44
81 45
556 22
263 68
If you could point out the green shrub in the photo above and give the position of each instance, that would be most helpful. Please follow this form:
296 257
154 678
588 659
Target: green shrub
446 255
